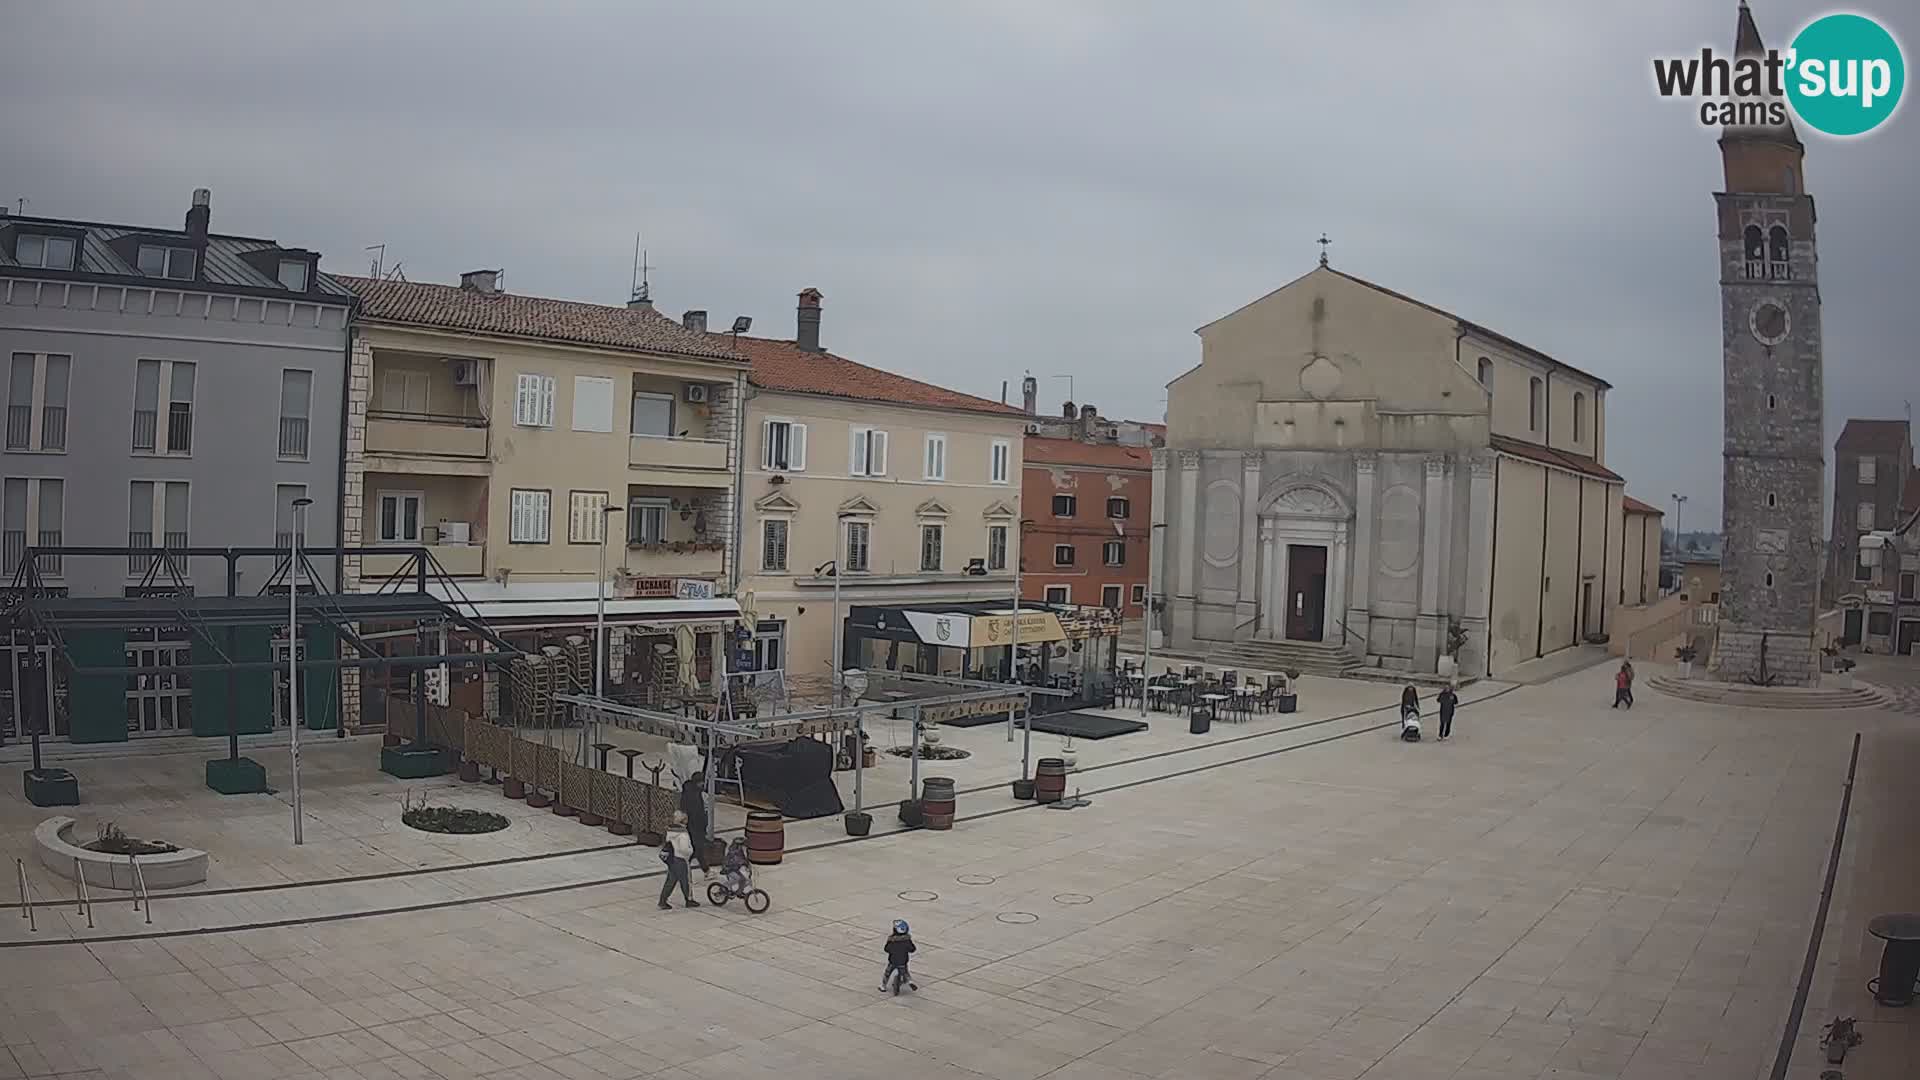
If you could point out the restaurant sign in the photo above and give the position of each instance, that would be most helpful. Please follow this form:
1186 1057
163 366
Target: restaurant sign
1035 626
960 710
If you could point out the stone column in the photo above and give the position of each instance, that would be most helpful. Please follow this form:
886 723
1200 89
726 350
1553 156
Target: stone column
1360 584
1189 522
1433 567
1479 566
1269 583
1247 609
353 503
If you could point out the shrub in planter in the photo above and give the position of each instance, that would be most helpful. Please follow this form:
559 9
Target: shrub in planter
1685 654
1288 699
112 840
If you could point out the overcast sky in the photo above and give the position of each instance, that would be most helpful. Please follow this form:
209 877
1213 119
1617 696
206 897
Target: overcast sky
1067 187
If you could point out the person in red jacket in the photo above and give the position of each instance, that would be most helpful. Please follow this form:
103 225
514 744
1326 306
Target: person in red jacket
1623 685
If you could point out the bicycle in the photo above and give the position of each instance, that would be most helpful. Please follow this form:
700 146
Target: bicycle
901 978
756 900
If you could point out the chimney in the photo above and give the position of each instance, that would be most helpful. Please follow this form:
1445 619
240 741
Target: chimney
641 302
1067 411
807 328
1030 394
695 320
484 282
200 213
1088 412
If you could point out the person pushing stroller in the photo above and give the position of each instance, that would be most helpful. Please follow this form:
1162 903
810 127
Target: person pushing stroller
1410 714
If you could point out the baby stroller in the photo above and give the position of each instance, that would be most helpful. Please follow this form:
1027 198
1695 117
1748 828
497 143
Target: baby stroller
1410 723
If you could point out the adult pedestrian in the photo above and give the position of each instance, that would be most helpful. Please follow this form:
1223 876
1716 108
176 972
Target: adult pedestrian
693 804
674 851
1447 700
1623 685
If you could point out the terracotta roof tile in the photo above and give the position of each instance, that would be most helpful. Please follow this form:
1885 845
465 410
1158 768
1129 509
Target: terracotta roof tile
450 307
1044 451
1872 436
785 367
1634 506
1559 458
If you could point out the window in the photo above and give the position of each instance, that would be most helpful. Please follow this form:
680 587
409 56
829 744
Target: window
592 403
1118 509
533 400
1534 388
293 275
1059 594
783 446
647 521
769 644
156 517
1114 553
400 515
773 544
37 387
586 516
1714 596
166 262
1866 470
163 418
1769 581
996 547
1771 402
1063 554
1863 516
1907 591
404 392
1880 622
931 540
859 547
283 512
43 252
1485 373
296 401
1110 597
652 415
1861 571
161 703
1139 594
1770 500
1064 506
180 409
1579 417
867 454
936 461
530 514
32 513
1000 463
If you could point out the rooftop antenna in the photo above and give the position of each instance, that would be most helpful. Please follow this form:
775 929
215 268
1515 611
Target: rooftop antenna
1323 242
640 290
21 204
379 253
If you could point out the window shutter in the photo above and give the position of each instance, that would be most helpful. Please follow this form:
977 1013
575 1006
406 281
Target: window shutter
766 444
857 452
877 454
546 401
522 399
797 447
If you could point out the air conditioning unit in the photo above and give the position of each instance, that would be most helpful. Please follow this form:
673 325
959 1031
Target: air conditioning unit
697 393
466 373
456 532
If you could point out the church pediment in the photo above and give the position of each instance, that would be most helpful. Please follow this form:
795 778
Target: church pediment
997 511
859 504
931 508
1299 497
776 502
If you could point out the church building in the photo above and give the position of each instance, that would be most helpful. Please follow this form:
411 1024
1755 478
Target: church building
1354 473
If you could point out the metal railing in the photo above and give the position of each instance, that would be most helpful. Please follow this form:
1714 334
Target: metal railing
19 426
139 563
142 899
293 436
83 902
145 421
26 899
180 427
13 548
50 564
53 427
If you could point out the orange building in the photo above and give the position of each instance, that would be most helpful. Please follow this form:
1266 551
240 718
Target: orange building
1086 509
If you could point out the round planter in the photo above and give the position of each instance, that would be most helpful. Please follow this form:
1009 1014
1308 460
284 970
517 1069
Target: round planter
859 823
1447 667
1686 669
170 870
538 799
513 789
911 815
1023 789
1286 702
619 828
470 772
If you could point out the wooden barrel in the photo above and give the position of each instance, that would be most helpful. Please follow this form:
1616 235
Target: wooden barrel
936 801
1050 780
766 838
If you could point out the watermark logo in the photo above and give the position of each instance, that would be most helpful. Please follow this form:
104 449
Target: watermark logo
1844 75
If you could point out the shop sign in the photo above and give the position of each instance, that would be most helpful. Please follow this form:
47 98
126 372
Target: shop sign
960 710
1879 596
1035 626
693 589
949 631
654 588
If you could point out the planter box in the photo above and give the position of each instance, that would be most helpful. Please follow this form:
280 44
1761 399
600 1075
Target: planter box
50 787
236 776
412 762
1286 702
53 838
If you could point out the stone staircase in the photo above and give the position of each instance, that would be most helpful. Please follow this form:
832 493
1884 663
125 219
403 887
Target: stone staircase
1858 696
1307 657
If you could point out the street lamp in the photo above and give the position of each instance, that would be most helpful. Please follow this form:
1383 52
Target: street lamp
1146 640
1679 503
839 633
600 608
293 657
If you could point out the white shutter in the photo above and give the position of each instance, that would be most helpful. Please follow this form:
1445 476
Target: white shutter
877 454
592 403
797 447
516 517
546 401
766 444
543 502
523 399
857 452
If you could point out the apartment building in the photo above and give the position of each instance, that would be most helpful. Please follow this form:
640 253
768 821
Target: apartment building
1872 462
1086 534
167 387
912 487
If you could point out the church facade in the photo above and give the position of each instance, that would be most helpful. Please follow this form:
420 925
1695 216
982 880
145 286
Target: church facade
1350 467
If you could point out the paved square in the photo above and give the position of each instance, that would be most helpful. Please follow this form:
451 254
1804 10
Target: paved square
1562 890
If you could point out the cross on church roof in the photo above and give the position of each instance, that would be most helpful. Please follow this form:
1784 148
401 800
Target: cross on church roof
1323 242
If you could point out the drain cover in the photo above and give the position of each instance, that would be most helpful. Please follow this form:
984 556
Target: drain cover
1017 917
976 879
918 896
1073 898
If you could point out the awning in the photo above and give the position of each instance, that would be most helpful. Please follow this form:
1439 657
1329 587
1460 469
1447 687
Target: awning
988 631
566 603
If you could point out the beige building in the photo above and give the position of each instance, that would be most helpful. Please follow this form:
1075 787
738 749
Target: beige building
498 431
1353 469
915 488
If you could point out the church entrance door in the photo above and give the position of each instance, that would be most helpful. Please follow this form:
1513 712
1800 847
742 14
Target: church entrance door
1306 592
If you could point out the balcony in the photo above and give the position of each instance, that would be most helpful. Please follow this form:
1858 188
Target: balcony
427 435
456 560
671 560
705 457
293 437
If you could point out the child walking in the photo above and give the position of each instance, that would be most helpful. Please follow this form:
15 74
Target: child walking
899 947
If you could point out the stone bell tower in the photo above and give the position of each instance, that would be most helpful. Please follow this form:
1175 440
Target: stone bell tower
1773 485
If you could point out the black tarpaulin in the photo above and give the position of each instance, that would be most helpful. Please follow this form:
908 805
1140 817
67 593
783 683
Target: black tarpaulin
795 776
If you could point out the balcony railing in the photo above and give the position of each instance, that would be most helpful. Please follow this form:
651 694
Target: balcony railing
13 547
53 427
283 539
664 452
140 562
1767 270
180 427
19 426
144 423
428 434
293 437
456 560
49 565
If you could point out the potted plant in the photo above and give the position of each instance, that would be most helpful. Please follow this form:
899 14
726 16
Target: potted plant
1843 672
858 822
1023 790
1450 654
1289 697
1685 655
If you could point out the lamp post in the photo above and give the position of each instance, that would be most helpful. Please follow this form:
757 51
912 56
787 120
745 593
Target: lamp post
1679 504
293 658
600 607
839 632
1146 639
